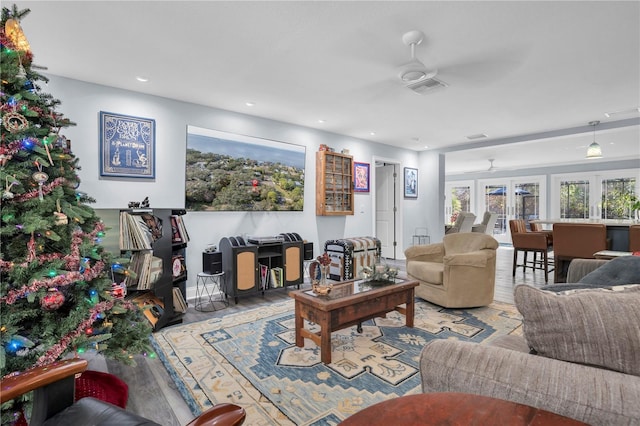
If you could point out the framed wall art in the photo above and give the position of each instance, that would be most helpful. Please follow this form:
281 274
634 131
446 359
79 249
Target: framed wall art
410 182
127 146
231 172
360 177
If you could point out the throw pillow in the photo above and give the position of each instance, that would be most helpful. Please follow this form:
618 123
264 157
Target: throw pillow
599 327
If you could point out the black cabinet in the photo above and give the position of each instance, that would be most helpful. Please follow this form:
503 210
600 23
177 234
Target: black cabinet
262 264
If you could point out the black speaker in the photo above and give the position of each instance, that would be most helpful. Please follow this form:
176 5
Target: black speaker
308 251
212 262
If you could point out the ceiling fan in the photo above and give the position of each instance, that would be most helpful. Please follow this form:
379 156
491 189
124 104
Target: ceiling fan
415 74
491 169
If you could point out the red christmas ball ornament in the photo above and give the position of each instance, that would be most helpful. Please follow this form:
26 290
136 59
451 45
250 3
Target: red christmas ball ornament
52 300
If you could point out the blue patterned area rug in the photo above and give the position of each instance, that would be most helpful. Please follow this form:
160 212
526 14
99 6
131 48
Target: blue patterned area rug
250 359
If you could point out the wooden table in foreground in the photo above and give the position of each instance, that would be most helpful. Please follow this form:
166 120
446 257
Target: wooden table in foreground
455 409
349 303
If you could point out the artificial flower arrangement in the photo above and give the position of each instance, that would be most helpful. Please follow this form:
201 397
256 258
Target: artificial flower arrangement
318 271
379 273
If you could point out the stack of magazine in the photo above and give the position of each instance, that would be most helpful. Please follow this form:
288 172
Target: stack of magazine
271 278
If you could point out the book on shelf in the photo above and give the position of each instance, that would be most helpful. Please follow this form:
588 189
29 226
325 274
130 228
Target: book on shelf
179 232
179 304
276 277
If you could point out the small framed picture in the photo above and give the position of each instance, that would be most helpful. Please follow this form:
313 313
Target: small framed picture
360 177
410 182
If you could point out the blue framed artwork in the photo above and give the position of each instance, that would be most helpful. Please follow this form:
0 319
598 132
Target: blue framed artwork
360 177
127 146
410 182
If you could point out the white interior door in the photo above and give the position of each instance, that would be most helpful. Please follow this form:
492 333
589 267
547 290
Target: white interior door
386 195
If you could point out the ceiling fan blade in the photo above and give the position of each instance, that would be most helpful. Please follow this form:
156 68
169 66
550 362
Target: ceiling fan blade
484 68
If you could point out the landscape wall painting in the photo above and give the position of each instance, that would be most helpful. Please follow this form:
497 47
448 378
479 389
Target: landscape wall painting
229 172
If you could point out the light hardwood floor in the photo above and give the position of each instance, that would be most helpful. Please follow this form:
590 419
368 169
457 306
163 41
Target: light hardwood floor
153 394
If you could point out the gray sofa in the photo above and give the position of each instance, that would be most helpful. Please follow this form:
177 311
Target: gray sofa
579 355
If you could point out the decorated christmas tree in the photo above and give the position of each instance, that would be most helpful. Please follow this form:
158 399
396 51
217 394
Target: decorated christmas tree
58 297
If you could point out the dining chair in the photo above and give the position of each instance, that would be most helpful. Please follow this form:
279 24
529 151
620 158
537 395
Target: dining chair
634 238
576 241
526 241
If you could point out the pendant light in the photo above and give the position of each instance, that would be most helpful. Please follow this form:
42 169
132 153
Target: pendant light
594 150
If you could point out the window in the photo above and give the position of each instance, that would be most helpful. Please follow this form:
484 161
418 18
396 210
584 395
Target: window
606 195
616 198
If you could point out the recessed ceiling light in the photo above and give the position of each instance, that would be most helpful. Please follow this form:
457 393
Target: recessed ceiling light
249 104
372 133
142 79
321 121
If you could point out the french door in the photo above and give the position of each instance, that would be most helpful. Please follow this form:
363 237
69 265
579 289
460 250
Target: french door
512 198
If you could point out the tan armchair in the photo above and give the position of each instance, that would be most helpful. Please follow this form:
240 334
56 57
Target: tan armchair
459 272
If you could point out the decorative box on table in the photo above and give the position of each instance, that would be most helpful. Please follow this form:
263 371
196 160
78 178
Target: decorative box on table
350 255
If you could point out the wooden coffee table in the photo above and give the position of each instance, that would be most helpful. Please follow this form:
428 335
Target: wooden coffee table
349 303
455 409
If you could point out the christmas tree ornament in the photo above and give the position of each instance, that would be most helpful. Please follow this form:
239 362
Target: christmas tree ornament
28 84
40 177
46 142
22 74
14 33
118 291
7 194
4 158
52 300
14 122
61 218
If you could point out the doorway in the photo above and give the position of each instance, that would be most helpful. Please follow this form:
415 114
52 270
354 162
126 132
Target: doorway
387 214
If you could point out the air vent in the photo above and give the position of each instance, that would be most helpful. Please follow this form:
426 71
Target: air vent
476 136
427 85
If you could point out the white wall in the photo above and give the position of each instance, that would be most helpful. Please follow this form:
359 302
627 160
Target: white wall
82 102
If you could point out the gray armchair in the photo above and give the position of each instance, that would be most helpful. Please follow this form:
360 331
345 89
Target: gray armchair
487 225
463 223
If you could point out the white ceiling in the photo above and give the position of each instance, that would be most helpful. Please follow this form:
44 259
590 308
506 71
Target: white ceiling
513 68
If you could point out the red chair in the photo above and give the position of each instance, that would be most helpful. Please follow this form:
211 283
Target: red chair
53 396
